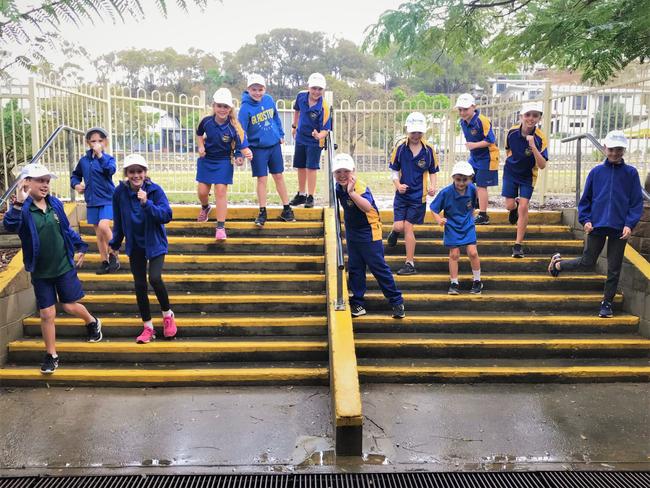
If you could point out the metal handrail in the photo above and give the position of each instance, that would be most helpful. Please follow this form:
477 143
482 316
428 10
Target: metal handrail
50 140
334 203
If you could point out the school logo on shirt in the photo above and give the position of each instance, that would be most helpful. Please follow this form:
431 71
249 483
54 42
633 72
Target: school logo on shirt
528 151
473 132
422 164
313 115
225 138
56 217
469 204
350 202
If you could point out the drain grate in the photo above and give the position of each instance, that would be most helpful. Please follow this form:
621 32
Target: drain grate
547 479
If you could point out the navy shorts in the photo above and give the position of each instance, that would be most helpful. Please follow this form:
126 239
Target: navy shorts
267 160
513 188
305 156
412 212
486 177
101 212
67 287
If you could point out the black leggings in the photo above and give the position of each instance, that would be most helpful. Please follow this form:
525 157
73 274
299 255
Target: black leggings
138 263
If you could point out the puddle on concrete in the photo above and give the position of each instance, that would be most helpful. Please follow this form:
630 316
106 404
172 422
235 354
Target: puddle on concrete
329 458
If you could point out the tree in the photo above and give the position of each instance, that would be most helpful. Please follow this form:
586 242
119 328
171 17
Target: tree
611 115
597 37
17 146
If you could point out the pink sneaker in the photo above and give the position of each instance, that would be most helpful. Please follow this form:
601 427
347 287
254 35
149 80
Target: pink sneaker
220 234
147 335
203 214
169 327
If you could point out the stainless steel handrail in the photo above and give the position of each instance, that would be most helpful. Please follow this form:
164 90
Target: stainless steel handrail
334 203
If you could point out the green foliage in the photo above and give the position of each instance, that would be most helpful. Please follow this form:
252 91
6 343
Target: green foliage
16 145
611 115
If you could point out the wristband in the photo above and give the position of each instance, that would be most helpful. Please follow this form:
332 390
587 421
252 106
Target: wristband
18 204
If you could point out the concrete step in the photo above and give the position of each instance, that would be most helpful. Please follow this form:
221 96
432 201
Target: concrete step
497 217
494 247
247 214
489 263
554 232
494 323
498 346
193 326
177 350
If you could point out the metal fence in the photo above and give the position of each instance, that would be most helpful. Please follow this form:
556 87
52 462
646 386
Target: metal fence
161 126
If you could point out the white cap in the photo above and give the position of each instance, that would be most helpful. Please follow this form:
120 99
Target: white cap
135 160
466 100
531 107
317 80
462 168
223 95
36 170
255 80
416 122
343 161
96 129
615 138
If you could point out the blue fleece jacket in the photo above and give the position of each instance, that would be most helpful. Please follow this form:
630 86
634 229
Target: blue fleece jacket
612 198
96 174
155 213
22 223
260 121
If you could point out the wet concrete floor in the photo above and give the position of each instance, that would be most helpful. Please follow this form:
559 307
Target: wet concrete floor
284 429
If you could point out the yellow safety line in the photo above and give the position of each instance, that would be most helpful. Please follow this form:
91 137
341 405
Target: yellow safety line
209 277
257 241
497 297
226 258
505 343
270 225
638 261
244 213
556 320
506 243
14 267
193 322
496 216
216 299
505 371
526 278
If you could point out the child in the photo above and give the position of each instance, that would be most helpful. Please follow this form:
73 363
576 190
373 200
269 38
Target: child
410 160
311 123
610 207
259 118
219 137
93 177
526 147
49 244
363 238
458 201
141 210
483 151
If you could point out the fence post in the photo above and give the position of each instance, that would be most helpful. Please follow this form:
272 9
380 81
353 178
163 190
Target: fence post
328 96
109 115
33 114
578 170
546 124
450 154
202 99
69 144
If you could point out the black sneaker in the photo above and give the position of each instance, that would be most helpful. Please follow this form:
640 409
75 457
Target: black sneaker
261 219
513 215
482 219
391 241
49 364
287 215
103 269
398 311
552 268
309 201
298 200
407 269
517 251
454 289
606 310
113 263
94 330
357 310
477 287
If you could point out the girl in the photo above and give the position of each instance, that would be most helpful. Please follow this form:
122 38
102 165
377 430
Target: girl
219 137
140 211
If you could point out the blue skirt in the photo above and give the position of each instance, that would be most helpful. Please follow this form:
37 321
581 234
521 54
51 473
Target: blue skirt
214 172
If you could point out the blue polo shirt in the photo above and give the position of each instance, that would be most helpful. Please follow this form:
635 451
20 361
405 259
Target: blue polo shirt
317 117
221 140
412 169
359 226
459 212
520 163
478 129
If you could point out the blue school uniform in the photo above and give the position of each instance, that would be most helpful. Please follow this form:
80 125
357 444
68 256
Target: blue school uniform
485 160
96 173
363 236
142 226
520 170
222 141
459 212
414 170
317 117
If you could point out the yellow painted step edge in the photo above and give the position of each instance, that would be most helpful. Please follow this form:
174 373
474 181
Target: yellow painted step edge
245 213
508 243
573 344
224 258
277 225
181 321
497 297
484 259
261 241
203 298
504 371
556 320
524 278
216 277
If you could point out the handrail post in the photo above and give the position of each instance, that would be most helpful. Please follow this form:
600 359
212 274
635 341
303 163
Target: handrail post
578 170
69 145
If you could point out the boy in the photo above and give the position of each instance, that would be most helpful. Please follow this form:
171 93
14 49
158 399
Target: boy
311 123
458 201
526 147
48 243
410 160
610 207
363 238
483 151
259 118
93 178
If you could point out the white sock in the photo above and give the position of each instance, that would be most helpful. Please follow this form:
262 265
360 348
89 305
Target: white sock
303 193
411 263
167 313
476 274
454 281
148 324
54 356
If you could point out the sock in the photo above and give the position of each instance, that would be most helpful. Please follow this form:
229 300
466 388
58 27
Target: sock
286 207
205 207
302 193
54 356
148 324
476 274
411 263
263 209
221 224
454 281
167 313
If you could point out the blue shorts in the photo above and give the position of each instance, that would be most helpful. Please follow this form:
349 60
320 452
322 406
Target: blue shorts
306 156
102 212
513 188
210 172
67 287
412 212
486 177
267 160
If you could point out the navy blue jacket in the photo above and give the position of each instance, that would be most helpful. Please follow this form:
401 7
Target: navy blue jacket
22 223
96 173
260 120
157 212
612 197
